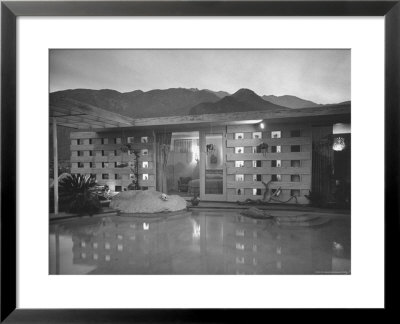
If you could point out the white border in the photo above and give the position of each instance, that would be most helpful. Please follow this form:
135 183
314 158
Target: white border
364 288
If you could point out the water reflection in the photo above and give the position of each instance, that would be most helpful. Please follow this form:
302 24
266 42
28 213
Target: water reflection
197 243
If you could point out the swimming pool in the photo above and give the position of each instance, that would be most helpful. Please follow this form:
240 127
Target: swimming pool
198 242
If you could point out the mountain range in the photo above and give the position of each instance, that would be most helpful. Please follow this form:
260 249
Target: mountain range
179 101
290 101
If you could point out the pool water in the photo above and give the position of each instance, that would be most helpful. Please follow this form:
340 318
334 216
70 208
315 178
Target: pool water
198 242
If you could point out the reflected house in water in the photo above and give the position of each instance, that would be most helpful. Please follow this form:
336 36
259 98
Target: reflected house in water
200 243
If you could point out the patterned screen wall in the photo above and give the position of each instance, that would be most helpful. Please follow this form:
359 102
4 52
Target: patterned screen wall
102 155
286 161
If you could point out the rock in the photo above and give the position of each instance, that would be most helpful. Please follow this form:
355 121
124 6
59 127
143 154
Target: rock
313 222
146 202
255 213
297 218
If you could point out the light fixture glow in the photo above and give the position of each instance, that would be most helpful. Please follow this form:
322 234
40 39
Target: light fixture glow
195 153
262 125
339 144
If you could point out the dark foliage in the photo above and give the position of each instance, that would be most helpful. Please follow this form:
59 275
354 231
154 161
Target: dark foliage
78 194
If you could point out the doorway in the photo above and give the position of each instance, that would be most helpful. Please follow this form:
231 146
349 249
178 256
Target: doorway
212 165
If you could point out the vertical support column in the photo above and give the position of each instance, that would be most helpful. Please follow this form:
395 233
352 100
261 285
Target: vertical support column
155 160
202 169
55 165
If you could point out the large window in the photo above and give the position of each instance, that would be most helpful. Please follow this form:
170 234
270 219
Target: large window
183 145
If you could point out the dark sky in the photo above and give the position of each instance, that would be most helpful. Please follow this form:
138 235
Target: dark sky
322 76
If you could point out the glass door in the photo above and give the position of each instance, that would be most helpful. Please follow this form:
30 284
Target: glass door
213 175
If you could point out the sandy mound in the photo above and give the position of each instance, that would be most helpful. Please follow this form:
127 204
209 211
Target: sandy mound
146 202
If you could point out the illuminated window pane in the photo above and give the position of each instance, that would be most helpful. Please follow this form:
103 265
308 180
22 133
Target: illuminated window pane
276 163
239 150
257 164
276 134
256 192
239 177
276 149
239 164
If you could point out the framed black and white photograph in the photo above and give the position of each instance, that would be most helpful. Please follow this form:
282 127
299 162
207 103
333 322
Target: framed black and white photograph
155 165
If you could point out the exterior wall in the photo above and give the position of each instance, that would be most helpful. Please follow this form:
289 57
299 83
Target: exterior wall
292 177
92 154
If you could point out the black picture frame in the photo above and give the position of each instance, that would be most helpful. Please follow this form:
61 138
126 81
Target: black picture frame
11 10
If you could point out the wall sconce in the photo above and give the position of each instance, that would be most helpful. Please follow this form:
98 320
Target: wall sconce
262 125
338 144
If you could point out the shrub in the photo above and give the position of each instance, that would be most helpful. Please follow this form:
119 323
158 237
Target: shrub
78 194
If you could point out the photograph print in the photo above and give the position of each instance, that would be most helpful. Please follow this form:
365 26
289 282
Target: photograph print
200 161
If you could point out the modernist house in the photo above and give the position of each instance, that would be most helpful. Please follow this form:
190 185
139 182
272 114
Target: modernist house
220 157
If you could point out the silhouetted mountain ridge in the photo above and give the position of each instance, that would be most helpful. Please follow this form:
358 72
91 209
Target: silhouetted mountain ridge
290 101
242 100
140 104
179 101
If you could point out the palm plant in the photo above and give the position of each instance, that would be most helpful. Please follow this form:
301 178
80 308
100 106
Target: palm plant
77 193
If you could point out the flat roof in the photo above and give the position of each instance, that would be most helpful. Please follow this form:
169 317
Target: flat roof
79 115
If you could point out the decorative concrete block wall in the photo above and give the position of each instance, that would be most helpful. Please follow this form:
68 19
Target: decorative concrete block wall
287 161
101 155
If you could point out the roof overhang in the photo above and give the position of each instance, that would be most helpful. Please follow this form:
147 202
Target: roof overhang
75 114
323 115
